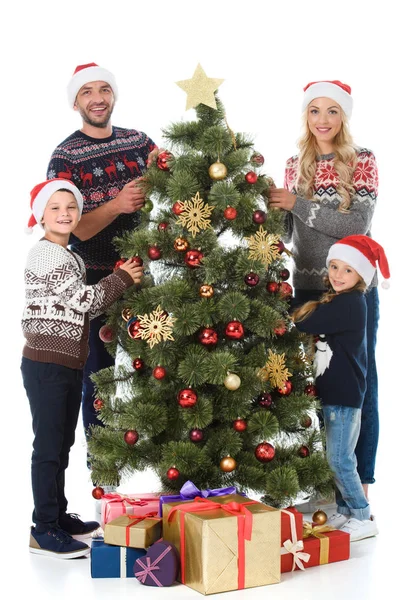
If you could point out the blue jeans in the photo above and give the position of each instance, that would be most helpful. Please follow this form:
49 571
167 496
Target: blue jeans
368 441
342 428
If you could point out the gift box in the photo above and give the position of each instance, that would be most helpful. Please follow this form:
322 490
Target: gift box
111 561
159 567
291 540
133 531
225 542
189 492
115 505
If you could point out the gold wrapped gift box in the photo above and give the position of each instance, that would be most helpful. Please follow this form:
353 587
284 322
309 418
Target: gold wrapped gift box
132 531
212 537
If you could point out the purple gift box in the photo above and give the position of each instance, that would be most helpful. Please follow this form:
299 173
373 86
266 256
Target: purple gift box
160 565
189 492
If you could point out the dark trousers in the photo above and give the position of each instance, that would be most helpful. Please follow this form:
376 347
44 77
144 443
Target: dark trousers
54 394
369 433
98 359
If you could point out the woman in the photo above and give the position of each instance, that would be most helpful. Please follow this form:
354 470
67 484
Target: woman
330 192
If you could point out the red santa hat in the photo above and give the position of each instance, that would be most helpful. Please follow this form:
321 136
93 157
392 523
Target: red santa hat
41 194
362 253
85 74
338 91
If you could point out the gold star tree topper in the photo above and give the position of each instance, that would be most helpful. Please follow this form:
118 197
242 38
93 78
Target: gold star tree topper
156 327
194 215
275 370
200 89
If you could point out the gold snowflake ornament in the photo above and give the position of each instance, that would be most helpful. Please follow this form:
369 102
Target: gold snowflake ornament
264 246
156 327
275 370
194 215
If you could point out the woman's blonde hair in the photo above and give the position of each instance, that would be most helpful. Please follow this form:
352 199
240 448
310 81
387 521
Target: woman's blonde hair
345 162
304 311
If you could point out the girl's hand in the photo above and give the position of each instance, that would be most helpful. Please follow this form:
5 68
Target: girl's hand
281 198
133 269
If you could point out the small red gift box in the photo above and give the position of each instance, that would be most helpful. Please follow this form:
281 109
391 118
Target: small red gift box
325 546
291 540
115 505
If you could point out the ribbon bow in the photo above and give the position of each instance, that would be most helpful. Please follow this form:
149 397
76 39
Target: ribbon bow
149 567
316 531
294 546
111 498
189 491
135 520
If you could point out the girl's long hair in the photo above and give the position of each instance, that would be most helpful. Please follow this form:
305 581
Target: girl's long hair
304 311
345 162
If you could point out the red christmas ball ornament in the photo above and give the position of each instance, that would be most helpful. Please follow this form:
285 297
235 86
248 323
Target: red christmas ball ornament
259 217
131 437
187 398
284 274
251 279
285 290
162 226
306 422
280 329
173 474
264 452
227 464
272 287
159 372
119 263
138 364
265 400
251 177
137 261
257 159
177 208
193 258
230 213
106 334
208 337
311 390
98 404
97 492
134 327
303 452
154 253
286 389
162 160
240 425
234 330
280 246
196 435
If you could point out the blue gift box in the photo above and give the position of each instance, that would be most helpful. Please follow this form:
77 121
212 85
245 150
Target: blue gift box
113 561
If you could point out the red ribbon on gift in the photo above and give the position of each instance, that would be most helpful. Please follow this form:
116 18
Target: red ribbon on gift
136 520
124 500
244 527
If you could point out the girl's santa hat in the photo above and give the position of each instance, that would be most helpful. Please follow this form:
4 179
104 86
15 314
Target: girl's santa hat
362 253
41 194
338 91
85 74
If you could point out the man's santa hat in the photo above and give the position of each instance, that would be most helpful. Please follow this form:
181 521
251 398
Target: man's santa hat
336 90
85 74
41 194
363 254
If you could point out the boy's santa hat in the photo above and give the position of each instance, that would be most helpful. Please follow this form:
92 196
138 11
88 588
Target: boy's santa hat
85 74
362 253
338 91
41 194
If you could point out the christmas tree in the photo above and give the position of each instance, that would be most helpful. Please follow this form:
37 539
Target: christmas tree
215 385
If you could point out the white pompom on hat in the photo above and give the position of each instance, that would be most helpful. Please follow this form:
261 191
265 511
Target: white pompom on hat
41 194
336 90
85 74
363 254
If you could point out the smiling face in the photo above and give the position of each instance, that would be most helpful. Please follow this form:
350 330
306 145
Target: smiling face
60 217
342 276
324 121
95 103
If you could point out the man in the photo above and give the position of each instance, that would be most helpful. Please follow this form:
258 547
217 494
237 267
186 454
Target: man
105 163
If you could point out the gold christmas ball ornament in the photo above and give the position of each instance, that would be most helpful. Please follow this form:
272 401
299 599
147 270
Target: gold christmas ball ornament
180 244
126 314
218 171
227 464
319 517
206 291
232 382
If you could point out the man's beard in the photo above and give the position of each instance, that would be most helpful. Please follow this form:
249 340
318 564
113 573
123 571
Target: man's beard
100 124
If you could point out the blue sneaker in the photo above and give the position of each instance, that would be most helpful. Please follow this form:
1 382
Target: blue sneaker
79 530
56 542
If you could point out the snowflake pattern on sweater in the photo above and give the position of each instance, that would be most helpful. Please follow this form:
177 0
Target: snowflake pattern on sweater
314 225
100 168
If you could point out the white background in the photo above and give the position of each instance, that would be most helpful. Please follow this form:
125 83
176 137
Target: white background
266 52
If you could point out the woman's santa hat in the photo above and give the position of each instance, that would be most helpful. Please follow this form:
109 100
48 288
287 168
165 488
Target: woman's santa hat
42 193
362 253
336 90
85 74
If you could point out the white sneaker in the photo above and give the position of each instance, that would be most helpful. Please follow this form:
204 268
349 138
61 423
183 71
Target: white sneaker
316 502
360 530
337 520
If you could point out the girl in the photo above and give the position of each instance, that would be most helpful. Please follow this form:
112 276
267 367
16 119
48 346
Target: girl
330 192
55 324
339 319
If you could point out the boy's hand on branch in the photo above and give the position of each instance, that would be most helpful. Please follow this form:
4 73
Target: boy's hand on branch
133 269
